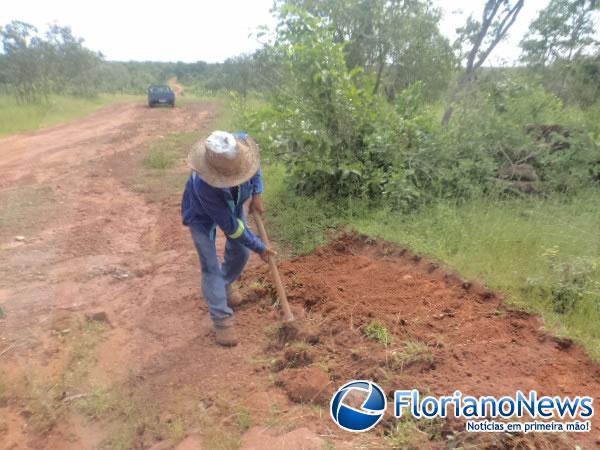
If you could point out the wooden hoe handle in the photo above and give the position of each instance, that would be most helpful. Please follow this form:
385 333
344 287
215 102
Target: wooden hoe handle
287 312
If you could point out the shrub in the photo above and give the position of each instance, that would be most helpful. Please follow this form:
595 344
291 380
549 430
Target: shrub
338 139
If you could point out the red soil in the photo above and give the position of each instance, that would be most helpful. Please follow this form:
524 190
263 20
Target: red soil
472 341
105 251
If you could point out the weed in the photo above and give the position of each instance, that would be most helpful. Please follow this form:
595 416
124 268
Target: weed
408 432
215 435
82 355
298 354
164 153
2 312
376 331
43 406
272 330
412 352
256 284
243 419
176 429
274 418
98 404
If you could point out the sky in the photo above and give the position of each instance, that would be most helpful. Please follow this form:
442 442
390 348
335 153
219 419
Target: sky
207 30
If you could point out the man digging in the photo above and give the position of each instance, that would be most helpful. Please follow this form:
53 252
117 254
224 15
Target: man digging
225 174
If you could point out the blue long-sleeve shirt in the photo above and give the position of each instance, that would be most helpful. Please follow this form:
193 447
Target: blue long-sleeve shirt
208 207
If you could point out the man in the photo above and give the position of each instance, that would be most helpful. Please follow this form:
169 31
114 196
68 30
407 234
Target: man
225 174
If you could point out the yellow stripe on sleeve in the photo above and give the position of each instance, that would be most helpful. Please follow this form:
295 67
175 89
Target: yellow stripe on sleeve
239 231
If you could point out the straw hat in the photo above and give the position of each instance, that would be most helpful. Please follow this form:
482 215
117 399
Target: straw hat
223 160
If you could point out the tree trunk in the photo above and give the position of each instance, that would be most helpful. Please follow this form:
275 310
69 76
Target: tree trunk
379 73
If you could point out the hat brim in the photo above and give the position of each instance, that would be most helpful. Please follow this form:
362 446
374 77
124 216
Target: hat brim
250 163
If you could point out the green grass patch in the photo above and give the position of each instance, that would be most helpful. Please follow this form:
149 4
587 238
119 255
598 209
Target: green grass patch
163 171
168 150
411 352
408 432
16 118
376 331
298 223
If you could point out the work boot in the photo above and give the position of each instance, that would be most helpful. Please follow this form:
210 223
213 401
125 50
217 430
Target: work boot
234 298
225 334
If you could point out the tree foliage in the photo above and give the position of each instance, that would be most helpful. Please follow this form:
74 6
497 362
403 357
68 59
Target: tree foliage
397 40
561 48
477 39
562 32
340 138
36 65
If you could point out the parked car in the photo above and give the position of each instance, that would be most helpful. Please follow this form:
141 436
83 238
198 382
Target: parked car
160 95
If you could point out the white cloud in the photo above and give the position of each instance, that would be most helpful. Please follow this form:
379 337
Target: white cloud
183 30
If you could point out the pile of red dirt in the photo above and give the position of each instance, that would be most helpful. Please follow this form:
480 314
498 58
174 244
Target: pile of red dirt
445 333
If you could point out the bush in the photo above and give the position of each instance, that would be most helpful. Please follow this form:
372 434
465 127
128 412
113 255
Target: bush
338 139
335 136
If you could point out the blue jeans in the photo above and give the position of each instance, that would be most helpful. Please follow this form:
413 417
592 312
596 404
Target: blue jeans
217 277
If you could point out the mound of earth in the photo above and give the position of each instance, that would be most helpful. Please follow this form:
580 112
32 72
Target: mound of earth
444 333
306 385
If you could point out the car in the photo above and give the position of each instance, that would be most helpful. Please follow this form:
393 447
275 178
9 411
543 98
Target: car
161 95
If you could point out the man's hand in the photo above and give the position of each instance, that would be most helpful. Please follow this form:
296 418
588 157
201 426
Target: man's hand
256 204
267 254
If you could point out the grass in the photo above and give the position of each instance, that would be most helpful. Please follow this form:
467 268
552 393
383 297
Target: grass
411 433
542 253
163 172
164 153
243 419
47 401
535 251
16 118
301 223
376 331
412 352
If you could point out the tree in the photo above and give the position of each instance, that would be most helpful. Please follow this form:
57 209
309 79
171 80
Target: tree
561 46
25 62
480 39
398 40
562 32
34 65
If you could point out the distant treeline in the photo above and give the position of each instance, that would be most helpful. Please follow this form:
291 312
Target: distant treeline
34 65
397 41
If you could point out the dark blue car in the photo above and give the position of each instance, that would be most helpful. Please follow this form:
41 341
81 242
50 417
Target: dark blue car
160 95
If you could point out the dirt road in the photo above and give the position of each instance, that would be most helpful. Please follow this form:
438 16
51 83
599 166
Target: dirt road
105 341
